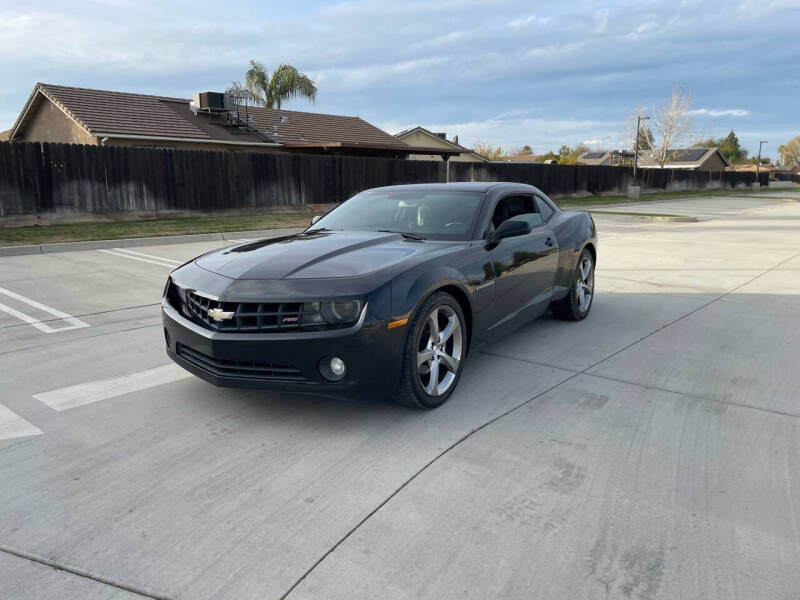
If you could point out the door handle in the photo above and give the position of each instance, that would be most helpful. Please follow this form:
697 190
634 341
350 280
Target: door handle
549 241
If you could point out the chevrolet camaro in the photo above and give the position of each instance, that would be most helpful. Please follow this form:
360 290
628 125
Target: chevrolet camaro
384 295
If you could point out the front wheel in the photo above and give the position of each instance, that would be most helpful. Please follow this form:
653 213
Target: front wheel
434 353
577 303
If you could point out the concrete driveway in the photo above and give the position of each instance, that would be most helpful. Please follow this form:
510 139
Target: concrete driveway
649 452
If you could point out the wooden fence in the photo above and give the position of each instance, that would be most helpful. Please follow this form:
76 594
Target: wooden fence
72 179
560 180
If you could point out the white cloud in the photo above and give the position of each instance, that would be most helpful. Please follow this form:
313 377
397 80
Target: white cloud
529 21
729 112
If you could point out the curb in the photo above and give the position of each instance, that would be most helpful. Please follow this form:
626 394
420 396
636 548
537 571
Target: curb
143 241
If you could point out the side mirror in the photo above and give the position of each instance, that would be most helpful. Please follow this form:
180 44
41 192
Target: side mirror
315 218
510 228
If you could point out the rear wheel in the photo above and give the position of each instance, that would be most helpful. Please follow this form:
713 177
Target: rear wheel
577 303
434 351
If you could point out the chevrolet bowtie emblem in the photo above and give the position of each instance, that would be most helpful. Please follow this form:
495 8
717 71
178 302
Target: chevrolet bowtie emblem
219 315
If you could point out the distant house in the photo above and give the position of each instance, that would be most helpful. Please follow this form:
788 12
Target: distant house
421 138
614 158
699 159
55 113
520 158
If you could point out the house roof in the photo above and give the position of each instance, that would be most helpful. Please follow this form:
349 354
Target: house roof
594 158
681 158
4 135
103 113
690 158
609 158
440 138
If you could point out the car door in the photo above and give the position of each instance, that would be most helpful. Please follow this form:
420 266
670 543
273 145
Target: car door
524 266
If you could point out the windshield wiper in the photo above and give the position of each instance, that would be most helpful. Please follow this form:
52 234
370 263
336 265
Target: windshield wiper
405 234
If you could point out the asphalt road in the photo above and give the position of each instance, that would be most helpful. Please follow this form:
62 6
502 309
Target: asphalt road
649 452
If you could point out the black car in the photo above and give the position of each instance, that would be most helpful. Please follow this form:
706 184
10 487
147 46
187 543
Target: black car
384 295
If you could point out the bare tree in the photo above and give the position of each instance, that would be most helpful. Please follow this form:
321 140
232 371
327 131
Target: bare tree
672 123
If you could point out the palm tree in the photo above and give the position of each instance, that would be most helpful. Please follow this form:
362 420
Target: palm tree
286 83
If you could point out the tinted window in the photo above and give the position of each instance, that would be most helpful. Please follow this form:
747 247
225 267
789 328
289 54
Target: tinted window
441 215
514 207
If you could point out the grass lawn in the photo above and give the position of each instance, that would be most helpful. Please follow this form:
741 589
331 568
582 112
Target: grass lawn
78 232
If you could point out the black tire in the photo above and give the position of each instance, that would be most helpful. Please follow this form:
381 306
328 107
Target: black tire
410 390
568 308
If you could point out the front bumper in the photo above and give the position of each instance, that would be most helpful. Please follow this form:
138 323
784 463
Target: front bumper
289 361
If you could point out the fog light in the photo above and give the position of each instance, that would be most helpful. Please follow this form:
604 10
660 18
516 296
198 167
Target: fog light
332 368
337 366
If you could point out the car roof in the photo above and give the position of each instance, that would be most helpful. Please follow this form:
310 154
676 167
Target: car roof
463 186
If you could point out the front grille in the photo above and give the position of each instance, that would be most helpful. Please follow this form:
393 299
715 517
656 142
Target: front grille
245 316
249 369
252 317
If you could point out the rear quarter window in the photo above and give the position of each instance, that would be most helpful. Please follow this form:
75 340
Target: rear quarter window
544 208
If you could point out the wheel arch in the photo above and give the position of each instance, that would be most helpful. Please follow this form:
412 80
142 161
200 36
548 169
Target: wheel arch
593 251
466 306
410 295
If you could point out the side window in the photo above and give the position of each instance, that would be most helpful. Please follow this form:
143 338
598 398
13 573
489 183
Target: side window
544 208
515 207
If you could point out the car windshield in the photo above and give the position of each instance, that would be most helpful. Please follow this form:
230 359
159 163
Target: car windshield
437 215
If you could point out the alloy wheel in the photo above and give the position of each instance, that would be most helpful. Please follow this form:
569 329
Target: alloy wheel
584 285
439 350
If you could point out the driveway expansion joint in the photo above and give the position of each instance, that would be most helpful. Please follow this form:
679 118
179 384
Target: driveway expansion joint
81 573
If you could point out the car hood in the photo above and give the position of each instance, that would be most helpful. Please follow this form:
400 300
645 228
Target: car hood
315 255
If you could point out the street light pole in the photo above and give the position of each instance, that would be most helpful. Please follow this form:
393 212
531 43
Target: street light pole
758 161
639 120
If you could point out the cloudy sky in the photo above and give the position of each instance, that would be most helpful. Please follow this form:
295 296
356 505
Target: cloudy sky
500 72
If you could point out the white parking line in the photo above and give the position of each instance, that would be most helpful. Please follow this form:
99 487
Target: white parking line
145 260
103 389
74 323
161 258
14 426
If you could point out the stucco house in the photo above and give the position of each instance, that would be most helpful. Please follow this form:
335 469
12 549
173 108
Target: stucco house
55 113
423 139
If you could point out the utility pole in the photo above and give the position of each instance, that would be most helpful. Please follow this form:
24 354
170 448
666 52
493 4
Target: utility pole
758 162
639 120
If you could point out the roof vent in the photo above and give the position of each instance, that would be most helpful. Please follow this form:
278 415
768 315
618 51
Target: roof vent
284 119
441 136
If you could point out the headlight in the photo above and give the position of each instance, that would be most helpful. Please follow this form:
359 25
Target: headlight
333 312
